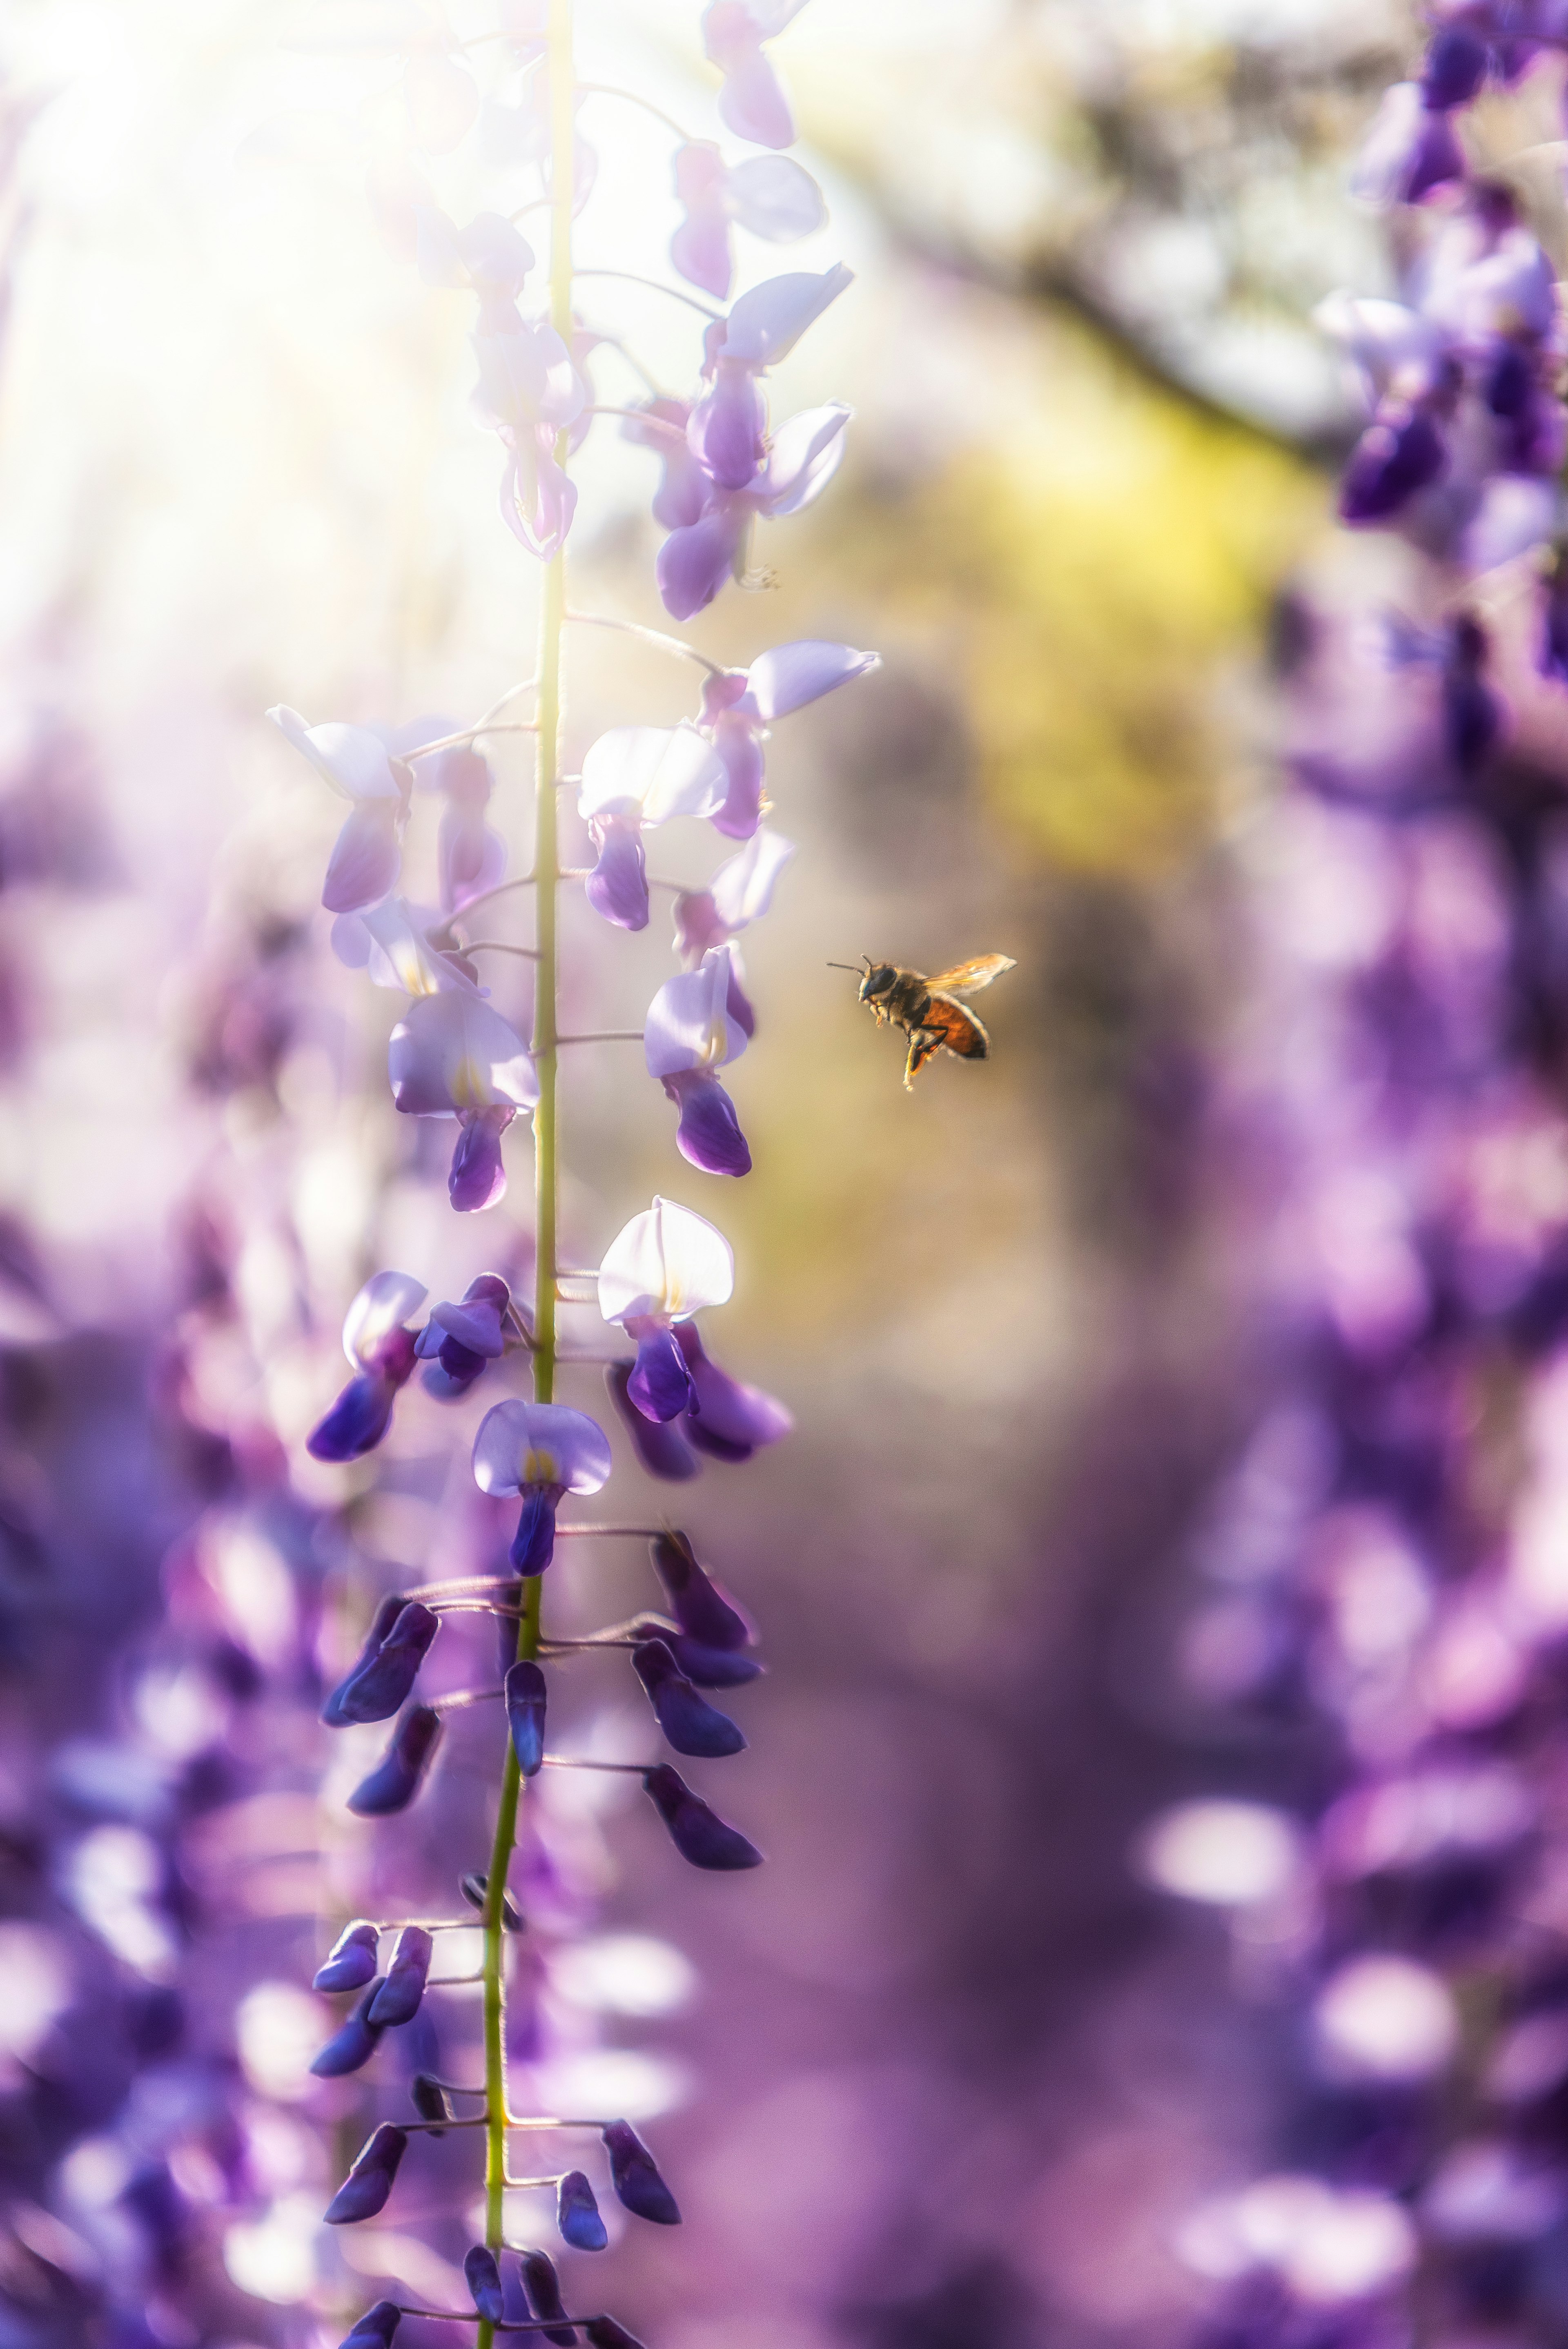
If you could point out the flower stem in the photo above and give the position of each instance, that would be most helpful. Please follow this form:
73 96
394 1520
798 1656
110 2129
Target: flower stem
546 871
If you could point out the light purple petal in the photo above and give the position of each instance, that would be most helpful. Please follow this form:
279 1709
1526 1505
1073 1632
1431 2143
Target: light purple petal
736 740
806 452
401 954
698 926
385 1302
724 1408
477 1322
617 888
683 490
743 888
651 773
726 433
351 759
699 248
765 324
538 497
476 1177
366 859
790 676
659 1383
539 1443
694 564
773 197
452 1053
751 102
708 1133
688 1024
470 858
526 373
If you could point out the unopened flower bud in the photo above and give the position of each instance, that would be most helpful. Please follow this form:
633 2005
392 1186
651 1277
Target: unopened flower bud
397 2000
698 1834
365 2189
394 1781
379 1686
524 1692
355 2043
374 2328
474 1888
381 1623
482 2276
352 1960
701 1609
577 2214
542 2289
429 2099
692 1724
636 2178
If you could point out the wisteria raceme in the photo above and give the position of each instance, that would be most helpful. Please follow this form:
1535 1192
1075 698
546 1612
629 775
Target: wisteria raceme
455 1054
1382 1571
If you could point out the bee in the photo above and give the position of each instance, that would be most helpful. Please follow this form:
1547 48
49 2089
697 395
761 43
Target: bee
927 1009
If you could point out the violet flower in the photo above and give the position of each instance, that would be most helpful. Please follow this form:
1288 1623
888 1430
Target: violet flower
529 390
458 1341
660 1268
364 2191
351 2046
542 2289
367 855
542 1451
376 2328
768 195
635 777
700 1605
751 101
382 1681
739 894
577 2214
801 458
692 1726
525 1695
352 1959
381 1352
724 1416
698 1834
689 1035
739 705
482 2276
637 2182
398 1999
471 854
397 1778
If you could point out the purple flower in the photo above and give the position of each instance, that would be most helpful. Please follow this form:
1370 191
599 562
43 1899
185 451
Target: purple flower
725 1417
698 1834
482 2276
689 1036
659 1445
451 1055
750 102
727 431
541 1451
393 1784
701 1609
542 2288
458 1341
802 457
1472 713
635 777
387 1611
397 2000
525 1694
691 1725
365 2189
739 705
705 1667
381 1682
529 390
352 1959
364 862
768 194
577 2214
376 2328
381 1352
636 2178
354 2043
488 257
660 1268
739 894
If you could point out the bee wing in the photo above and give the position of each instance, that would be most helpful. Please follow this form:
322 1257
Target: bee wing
964 977
952 1026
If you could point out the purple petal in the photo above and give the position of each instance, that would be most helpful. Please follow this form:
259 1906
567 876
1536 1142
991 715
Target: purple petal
364 862
1455 68
694 562
696 1602
387 1613
534 1543
1408 151
478 1176
538 499
617 888
482 2276
660 1385
698 1834
635 2176
765 324
735 741
660 1446
1400 453
352 1961
396 1779
684 486
774 198
449 1047
397 2000
577 2214
708 1133
525 1694
521 1445
368 2185
790 676
751 102
691 1725
374 2328
699 248
726 433
734 1413
542 2288
356 1421
351 2047
698 926
807 451
737 1003
743 889
688 1029
377 1688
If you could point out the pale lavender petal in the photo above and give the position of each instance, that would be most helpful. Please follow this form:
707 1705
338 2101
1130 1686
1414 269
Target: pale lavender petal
380 1311
351 759
471 858
494 256
688 1024
743 888
538 497
479 1322
476 1177
806 452
401 955
792 675
708 1133
521 1445
684 486
735 737
451 1052
366 859
617 888
738 1003
694 564
653 772
699 248
698 926
764 326
774 198
751 102
727 431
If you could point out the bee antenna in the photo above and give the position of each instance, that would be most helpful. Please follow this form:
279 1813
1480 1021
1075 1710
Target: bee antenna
843 966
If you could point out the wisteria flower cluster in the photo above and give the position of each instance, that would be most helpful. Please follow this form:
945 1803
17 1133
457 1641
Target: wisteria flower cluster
455 1055
1383 1574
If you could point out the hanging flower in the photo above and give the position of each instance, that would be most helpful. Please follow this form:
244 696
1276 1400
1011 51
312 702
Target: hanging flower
367 855
689 1036
542 1451
661 1268
458 1341
751 101
738 706
633 778
381 1351
768 194
801 458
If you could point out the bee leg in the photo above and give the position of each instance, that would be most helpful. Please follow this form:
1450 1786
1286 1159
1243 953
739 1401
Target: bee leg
921 1046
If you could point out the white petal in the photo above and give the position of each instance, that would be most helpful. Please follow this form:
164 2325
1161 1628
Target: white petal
652 771
350 758
668 1262
384 1304
688 1024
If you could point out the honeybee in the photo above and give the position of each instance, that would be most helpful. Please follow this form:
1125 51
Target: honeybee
927 1009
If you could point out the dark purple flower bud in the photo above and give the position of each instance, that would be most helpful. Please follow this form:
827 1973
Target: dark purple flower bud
534 1543
606 2334
374 2328
1400 453
355 2043
379 1688
636 2178
692 1724
1454 70
696 1602
365 2189
577 2214
659 1445
708 1133
394 1781
1472 714
356 1421
618 885
397 2000
387 1613
477 1176
473 1887
352 1959
728 1418
660 1385
542 2288
525 1693
429 2100
482 2277
698 1834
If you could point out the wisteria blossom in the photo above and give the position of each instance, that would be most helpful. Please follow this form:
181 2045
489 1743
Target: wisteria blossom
365 860
741 704
751 102
381 1351
541 1452
738 894
689 1035
664 1266
768 195
635 778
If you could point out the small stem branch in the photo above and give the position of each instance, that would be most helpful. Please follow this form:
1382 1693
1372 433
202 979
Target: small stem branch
460 1697
650 636
633 98
640 416
653 286
604 1036
482 2121
621 1769
471 734
500 946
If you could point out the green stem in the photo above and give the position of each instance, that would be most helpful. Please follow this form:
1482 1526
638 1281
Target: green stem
547 876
